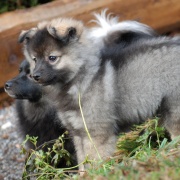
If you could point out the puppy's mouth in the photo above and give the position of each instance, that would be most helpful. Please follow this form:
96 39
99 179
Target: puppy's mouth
44 83
47 82
10 93
14 95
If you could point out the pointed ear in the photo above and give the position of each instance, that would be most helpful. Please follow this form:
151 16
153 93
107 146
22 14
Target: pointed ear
26 35
65 30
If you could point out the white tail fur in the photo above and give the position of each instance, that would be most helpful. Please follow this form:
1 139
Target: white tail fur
108 24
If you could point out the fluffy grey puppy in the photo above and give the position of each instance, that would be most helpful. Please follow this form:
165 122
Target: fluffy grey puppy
116 87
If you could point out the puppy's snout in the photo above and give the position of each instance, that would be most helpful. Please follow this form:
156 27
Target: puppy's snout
36 76
8 85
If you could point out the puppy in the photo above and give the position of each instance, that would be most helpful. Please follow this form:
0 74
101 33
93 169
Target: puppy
36 116
102 86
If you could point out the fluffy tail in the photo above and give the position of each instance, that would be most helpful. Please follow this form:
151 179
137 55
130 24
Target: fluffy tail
107 24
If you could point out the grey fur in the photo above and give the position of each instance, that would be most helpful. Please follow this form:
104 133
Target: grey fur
118 86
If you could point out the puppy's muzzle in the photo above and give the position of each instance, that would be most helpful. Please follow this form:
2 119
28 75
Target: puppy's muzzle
37 76
8 85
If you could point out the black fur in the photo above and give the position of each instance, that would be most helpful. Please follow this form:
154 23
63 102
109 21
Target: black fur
133 43
22 86
125 38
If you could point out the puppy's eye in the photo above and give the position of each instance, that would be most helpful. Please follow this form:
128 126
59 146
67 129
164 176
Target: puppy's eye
52 59
20 70
34 59
28 71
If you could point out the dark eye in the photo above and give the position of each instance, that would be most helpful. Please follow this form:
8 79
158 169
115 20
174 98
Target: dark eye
52 58
20 70
34 59
28 71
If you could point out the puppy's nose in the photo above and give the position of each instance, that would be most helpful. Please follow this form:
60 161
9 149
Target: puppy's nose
8 85
36 76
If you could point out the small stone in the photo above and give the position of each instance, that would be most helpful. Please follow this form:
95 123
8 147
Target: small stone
5 136
1 177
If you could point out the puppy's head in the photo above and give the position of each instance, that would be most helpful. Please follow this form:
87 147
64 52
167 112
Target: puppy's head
53 50
22 86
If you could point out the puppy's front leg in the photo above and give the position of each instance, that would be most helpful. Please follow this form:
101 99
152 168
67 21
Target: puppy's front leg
101 147
79 153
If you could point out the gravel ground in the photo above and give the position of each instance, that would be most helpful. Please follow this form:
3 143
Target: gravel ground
11 162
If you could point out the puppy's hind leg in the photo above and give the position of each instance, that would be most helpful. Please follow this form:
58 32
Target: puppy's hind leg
171 115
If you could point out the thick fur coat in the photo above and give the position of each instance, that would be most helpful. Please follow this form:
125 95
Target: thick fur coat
116 84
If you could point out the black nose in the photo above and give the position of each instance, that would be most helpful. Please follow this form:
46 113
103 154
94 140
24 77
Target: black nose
36 76
8 85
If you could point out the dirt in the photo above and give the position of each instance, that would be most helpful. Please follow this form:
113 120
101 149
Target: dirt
11 161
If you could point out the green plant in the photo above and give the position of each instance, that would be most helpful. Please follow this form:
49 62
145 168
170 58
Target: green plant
10 5
42 161
145 153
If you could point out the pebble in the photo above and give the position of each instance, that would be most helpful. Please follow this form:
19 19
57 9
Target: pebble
11 161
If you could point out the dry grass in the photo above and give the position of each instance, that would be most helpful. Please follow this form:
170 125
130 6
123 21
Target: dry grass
144 153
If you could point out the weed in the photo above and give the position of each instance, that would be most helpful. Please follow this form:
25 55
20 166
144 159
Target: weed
42 162
145 153
10 5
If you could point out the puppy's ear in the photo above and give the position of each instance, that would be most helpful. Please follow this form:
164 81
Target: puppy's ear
65 30
26 35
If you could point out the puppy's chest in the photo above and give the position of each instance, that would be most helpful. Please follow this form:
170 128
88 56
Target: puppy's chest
68 111
71 119
90 109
